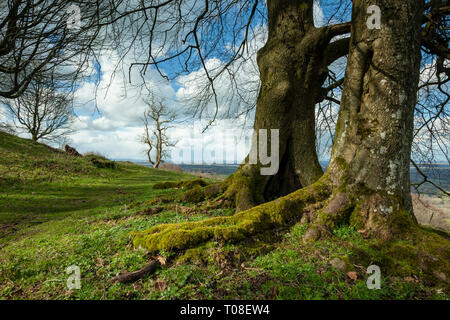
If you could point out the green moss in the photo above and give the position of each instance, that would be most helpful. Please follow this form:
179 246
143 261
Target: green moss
99 163
334 219
165 185
406 249
342 164
189 184
245 187
281 212
194 195
356 219
226 254
212 191
192 184
199 255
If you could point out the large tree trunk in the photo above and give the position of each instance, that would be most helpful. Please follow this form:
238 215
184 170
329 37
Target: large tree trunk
370 158
293 66
367 182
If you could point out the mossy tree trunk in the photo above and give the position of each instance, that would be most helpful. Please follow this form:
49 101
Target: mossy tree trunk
370 158
293 66
367 182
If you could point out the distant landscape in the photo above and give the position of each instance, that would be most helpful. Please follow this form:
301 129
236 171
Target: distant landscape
438 173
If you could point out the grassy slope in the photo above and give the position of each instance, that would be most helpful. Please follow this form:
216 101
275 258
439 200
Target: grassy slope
57 211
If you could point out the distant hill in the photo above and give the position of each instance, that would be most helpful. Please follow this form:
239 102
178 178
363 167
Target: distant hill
438 173
40 183
25 163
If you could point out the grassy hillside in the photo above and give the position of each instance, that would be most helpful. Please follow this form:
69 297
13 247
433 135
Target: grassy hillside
38 184
57 211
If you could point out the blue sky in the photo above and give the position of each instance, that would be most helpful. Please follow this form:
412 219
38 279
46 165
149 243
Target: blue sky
112 128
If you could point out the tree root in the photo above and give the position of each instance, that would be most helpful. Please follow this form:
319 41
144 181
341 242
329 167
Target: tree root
244 188
407 248
128 277
281 212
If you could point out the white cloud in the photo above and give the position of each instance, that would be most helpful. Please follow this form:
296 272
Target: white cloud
319 17
114 131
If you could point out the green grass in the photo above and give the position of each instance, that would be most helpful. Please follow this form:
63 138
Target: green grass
57 211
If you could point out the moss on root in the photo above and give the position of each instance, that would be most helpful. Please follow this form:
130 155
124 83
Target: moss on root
245 187
419 250
281 212
391 238
194 195
404 248
417 253
228 255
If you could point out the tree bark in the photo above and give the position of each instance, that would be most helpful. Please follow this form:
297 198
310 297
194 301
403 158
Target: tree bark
367 183
370 159
293 66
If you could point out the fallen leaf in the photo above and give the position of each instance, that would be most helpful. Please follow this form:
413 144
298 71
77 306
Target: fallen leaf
161 260
363 233
99 262
160 285
352 275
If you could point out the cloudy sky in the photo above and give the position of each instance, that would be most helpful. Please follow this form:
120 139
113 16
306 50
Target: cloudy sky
111 126
108 112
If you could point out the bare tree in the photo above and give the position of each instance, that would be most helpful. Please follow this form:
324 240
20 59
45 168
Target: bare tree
43 110
157 119
5 125
39 34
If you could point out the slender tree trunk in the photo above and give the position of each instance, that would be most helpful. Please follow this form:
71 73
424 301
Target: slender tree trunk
293 67
159 146
149 156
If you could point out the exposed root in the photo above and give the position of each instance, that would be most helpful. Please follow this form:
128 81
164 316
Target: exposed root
245 188
409 250
281 212
128 277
